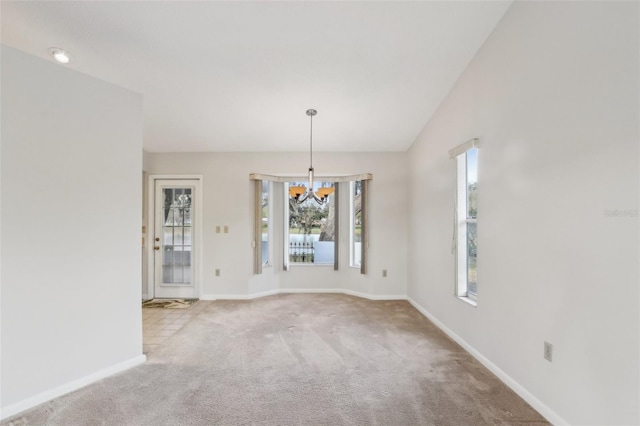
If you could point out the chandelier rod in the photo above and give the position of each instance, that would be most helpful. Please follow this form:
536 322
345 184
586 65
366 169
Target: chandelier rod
311 113
311 145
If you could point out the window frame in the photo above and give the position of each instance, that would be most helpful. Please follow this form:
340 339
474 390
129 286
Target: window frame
463 220
269 206
283 245
335 205
352 226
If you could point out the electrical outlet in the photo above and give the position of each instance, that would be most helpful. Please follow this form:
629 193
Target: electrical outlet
548 351
384 273
226 229
217 229
217 272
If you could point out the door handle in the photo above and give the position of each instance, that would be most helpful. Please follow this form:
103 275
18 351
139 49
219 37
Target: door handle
156 248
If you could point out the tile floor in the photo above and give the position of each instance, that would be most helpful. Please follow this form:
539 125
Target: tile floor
159 324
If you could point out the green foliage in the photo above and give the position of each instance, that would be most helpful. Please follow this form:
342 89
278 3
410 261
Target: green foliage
305 216
472 200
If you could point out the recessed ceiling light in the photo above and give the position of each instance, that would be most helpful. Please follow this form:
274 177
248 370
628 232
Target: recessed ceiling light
60 55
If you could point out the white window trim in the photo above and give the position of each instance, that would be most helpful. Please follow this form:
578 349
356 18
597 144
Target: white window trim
463 148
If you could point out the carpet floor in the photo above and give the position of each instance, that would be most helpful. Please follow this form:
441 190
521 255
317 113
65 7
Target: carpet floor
297 359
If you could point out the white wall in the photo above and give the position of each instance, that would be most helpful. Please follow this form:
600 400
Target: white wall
71 197
228 201
553 96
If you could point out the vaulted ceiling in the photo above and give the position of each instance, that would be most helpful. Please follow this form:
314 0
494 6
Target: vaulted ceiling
239 76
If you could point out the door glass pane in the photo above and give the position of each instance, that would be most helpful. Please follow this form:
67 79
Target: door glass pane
168 217
167 276
167 235
187 275
167 257
176 259
177 274
177 236
177 217
177 256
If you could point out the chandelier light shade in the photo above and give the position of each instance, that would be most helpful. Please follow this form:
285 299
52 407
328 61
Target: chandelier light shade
300 193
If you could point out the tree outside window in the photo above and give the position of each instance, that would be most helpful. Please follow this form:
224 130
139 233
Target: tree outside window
312 229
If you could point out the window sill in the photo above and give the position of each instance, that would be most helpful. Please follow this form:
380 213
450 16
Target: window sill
468 300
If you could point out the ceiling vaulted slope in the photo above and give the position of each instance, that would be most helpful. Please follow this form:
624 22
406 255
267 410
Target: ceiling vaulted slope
239 76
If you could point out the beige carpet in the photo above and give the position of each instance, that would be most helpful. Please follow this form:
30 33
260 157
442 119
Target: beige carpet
298 360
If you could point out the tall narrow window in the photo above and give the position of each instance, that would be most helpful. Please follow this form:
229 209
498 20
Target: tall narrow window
312 229
355 223
466 220
264 222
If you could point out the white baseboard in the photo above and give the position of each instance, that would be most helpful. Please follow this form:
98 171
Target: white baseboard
300 290
538 405
312 290
375 296
238 296
145 297
38 399
344 291
208 297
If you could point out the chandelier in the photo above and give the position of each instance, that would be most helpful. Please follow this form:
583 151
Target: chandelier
300 193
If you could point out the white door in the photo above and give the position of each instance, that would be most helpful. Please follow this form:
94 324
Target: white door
174 239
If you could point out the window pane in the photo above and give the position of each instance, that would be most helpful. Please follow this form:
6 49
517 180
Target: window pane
167 235
177 256
466 224
187 216
356 223
265 222
187 274
167 275
177 236
167 258
311 229
472 183
472 256
177 275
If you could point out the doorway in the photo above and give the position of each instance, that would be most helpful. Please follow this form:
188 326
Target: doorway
175 249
